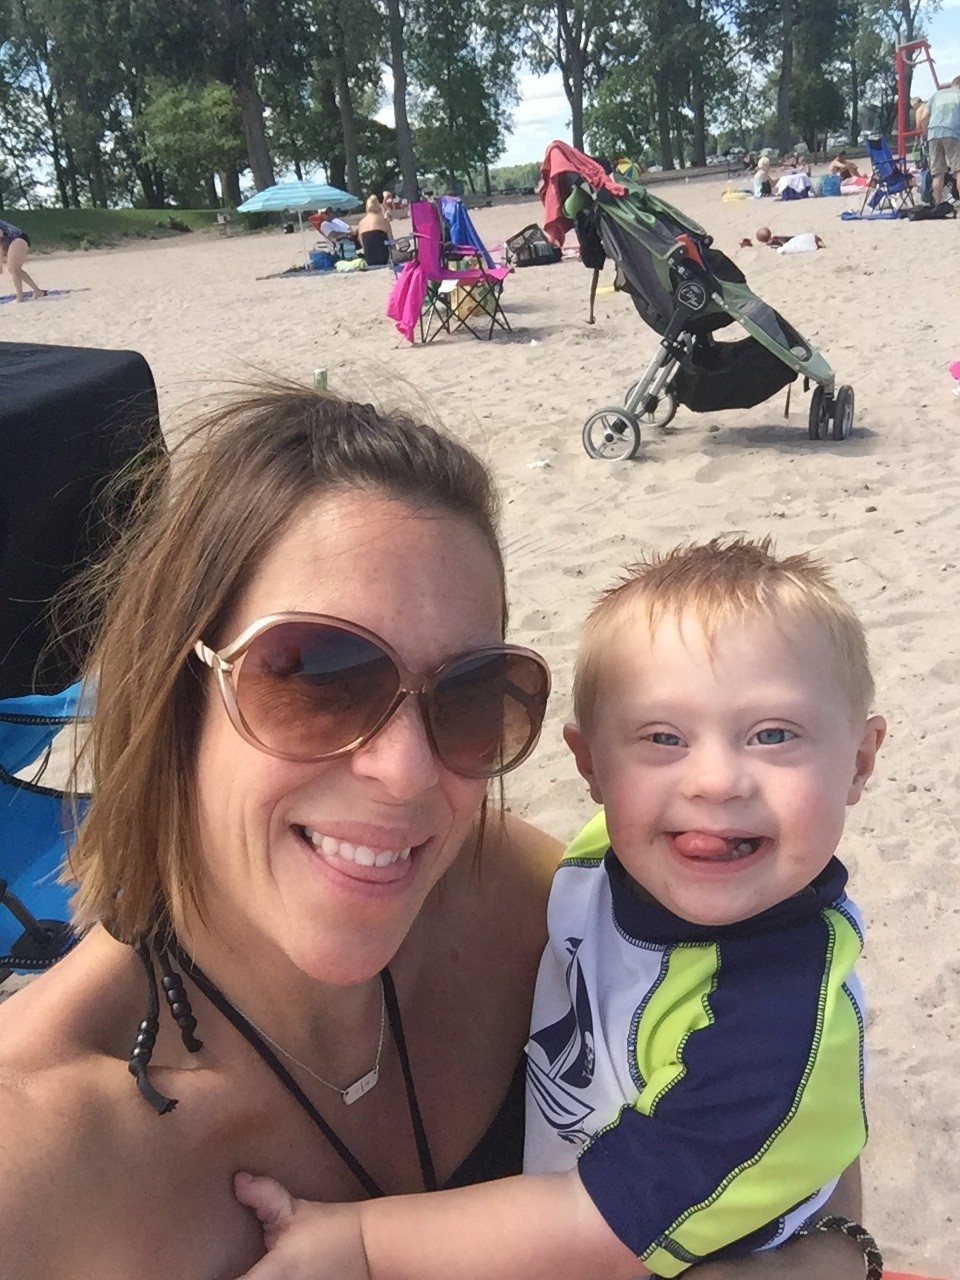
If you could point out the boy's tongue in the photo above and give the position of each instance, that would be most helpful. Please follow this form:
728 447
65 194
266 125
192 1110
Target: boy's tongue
701 844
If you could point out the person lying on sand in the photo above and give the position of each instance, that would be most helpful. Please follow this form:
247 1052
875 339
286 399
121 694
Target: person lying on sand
700 958
766 236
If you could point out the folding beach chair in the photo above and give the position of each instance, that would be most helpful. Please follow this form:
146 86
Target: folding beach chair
456 297
35 829
891 186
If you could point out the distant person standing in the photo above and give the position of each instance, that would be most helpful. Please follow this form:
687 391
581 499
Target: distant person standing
921 114
943 135
14 249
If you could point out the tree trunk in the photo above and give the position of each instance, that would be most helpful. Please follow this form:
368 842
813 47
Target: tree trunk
98 187
254 129
576 99
785 87
699 104
213 200
334 162
348 117
487 186
230 188
71 166
405 153
855 101
663 115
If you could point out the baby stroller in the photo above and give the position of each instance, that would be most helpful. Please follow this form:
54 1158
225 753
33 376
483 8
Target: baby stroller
686 291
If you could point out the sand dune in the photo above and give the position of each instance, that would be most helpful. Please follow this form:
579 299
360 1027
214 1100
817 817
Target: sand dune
880 302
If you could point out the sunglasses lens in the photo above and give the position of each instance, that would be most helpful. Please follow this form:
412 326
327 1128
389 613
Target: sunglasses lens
308 689
486 710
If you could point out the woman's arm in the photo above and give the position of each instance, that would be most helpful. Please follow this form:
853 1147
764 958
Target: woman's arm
827 1256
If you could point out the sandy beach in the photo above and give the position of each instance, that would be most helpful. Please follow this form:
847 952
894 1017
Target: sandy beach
880 303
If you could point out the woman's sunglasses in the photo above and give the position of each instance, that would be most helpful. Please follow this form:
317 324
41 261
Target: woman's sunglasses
306 687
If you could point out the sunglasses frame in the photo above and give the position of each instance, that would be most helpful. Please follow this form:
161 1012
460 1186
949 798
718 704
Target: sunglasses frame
226 664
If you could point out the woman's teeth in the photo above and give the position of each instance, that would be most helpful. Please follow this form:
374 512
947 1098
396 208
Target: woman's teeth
357 853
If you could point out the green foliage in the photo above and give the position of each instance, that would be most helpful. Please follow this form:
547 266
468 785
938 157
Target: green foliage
467 78
191 131
89 228
621 121
515 177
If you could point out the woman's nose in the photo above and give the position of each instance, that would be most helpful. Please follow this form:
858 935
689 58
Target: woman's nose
400 755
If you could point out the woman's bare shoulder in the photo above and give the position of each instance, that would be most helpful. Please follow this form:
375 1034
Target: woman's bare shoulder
56 1122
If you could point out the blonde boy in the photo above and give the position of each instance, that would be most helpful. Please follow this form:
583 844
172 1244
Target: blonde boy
696 1056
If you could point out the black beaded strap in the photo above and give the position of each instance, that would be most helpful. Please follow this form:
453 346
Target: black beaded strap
142 1050
872 1256
176 996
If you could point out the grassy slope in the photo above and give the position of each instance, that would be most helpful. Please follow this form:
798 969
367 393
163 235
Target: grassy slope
90 228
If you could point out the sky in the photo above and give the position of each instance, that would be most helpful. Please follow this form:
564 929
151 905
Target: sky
542 113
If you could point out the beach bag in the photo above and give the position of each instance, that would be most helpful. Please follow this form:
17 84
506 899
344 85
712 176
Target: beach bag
830 184
931 213
531 248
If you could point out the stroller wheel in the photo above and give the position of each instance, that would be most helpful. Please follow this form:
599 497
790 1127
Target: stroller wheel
821 409
842 428
660 412
611 435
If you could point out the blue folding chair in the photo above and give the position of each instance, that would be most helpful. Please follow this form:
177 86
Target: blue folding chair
35 831
891 186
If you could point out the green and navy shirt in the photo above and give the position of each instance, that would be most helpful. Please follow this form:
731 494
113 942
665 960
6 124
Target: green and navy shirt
707 1082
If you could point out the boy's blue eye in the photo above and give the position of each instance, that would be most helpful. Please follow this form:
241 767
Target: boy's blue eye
666 739
773 737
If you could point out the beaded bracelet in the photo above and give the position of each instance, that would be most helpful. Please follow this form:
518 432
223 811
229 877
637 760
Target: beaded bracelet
871 1254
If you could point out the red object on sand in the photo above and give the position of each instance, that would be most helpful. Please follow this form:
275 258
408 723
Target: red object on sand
902 1275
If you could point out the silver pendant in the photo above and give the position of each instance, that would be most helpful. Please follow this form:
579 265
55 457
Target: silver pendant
360 1087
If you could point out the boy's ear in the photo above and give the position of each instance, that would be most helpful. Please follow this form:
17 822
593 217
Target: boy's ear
574 738
873 735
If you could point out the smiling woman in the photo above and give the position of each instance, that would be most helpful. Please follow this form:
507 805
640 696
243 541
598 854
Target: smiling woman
303 693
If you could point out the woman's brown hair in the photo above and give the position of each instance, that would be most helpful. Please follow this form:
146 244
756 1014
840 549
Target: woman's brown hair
203 527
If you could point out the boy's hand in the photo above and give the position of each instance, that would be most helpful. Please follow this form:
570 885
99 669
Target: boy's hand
305 1241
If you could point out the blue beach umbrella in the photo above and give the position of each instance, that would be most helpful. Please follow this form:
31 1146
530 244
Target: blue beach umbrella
297 196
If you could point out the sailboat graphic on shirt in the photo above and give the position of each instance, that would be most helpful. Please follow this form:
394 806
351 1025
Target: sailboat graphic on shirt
560 1059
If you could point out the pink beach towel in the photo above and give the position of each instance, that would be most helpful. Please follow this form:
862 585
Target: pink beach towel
406 298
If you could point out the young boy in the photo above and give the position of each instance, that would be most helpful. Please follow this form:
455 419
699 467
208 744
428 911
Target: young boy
695 1066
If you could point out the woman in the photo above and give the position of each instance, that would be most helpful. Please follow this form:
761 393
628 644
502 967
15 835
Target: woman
302 851
374 233
14 249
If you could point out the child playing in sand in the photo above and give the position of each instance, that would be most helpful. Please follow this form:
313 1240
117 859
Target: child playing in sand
695 1063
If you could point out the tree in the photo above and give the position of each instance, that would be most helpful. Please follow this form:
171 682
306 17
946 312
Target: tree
572 36
193 132
466 80
396 18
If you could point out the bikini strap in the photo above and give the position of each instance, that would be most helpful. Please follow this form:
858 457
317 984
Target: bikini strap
416 1119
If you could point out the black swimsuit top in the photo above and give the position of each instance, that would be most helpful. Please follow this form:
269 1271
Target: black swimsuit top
499 1153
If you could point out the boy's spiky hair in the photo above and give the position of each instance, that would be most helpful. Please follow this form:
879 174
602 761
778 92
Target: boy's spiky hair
717 582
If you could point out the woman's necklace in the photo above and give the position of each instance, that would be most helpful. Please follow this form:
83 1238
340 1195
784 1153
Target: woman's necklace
352 1092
